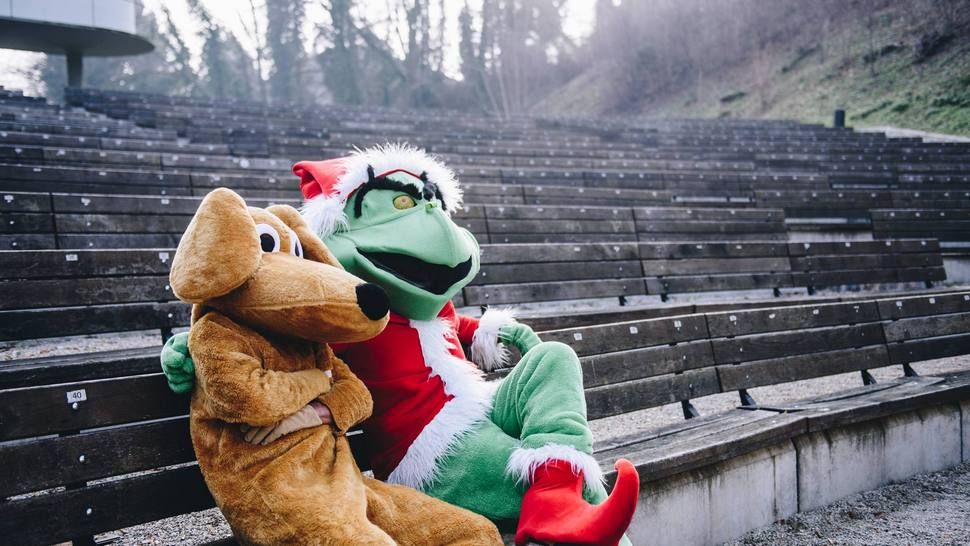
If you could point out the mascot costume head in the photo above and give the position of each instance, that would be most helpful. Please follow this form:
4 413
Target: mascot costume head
378 210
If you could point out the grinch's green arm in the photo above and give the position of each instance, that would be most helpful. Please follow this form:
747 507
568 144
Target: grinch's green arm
177 364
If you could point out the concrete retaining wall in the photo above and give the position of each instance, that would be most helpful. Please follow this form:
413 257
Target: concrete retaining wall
837 463
957 269
718 503
965 412
722 502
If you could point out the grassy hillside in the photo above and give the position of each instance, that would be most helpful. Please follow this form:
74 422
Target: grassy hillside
870 71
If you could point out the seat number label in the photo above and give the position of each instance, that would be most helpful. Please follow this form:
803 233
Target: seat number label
77 396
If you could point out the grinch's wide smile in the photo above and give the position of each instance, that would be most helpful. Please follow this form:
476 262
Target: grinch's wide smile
433 278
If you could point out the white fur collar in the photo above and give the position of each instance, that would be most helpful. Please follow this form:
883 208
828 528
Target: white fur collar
471 404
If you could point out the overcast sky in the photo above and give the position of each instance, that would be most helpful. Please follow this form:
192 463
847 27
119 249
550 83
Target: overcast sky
235 15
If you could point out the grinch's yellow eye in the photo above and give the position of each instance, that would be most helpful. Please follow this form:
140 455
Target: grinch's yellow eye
402 202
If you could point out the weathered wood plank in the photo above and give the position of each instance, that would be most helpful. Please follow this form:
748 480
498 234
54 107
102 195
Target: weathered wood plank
630 335
59 516
121 223
931 348
712 237
604 369
899 246
35 411
710 283
714 265
66 321
78 367
74 203
526 253
650 392
752 321
555 238
26 222
650 214
30 241
722 228
671 251
84 263
24 202
532 212
866 261
117 240
778 344
566 290
97 291
917 306
500 227
89 456
794 368
931 326
556 271
838 278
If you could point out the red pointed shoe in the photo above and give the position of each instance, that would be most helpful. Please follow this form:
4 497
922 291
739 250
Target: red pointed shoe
554 511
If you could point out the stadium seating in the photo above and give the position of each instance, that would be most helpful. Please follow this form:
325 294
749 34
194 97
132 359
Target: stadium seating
95 194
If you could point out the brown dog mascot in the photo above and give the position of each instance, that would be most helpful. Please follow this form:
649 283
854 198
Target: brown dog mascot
272 401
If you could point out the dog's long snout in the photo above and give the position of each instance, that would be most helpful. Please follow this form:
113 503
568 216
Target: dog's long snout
372 300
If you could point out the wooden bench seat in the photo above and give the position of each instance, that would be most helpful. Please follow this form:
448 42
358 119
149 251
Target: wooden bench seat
830 203
706 224
947 225
130 221
78 434
52 293
697 267
546 272
817 265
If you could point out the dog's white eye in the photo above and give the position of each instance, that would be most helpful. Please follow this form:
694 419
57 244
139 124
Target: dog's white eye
296 248
269 239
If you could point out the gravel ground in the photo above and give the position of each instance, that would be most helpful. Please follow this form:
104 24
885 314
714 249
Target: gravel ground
926 509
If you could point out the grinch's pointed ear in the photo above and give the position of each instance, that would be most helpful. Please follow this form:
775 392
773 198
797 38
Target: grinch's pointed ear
313 247
219 250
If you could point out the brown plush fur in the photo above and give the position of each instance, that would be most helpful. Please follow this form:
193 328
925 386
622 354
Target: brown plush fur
259 333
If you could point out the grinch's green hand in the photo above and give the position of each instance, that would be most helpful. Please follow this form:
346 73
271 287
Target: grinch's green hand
518 335
177 365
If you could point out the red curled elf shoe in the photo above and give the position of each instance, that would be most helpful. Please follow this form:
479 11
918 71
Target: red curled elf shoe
554 511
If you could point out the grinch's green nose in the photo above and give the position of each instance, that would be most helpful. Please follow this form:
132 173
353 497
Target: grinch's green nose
429 206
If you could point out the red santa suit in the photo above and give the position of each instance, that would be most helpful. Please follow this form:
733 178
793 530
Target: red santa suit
426 393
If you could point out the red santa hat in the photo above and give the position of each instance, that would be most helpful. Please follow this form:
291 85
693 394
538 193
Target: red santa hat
327 185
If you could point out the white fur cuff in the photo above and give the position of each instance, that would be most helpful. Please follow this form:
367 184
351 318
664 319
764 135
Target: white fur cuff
523 463
486 350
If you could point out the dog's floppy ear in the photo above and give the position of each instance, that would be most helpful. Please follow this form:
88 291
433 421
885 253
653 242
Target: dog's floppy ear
219 250
313 247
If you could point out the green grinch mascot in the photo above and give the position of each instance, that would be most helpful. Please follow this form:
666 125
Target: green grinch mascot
519 448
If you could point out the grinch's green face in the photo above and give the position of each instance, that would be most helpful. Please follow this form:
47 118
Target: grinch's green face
399 237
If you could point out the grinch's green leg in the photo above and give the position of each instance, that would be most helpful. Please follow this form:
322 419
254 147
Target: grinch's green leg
542 402
473 474
539 412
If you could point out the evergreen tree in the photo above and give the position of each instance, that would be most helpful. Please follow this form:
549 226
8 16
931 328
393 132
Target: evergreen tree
226 69
284 19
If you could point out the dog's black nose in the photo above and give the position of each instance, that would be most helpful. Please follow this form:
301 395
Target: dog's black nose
372 300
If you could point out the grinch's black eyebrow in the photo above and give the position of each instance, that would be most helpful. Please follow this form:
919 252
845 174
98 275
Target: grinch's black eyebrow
382 183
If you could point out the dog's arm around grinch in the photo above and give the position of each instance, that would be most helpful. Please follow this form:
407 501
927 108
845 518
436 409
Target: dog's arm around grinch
349 400
237 387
